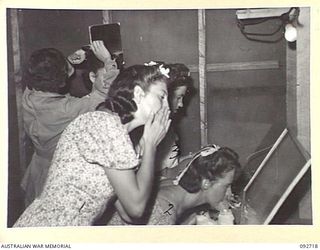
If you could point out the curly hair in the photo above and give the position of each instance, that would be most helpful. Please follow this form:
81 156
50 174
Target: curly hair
211 167
47 70
179 76
121 92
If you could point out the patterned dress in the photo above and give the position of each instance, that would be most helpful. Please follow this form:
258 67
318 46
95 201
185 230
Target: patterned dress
77 189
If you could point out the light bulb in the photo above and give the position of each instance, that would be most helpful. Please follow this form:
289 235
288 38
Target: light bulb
290 33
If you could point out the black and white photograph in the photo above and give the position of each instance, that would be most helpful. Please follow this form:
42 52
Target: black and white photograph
144 117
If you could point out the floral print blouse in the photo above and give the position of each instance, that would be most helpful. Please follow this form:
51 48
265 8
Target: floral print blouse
77 188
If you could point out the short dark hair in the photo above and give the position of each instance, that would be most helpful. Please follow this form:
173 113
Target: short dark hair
120 95
91 64
179 76
211 167
46 70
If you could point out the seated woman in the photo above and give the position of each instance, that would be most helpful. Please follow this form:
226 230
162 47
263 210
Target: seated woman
203 179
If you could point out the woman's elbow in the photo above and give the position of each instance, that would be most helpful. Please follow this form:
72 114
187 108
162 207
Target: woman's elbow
136 211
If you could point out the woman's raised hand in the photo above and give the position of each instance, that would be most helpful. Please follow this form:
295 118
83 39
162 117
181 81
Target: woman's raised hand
156 127
100 51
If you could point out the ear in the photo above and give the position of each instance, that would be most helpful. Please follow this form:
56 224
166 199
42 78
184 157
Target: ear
138 94
92 76
205 184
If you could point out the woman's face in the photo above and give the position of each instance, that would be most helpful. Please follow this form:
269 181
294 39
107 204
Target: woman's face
101 80
177 98
220 189
155 98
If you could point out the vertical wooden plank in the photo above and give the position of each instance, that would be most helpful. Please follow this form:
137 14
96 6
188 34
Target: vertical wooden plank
18 84
303 78
106 16
291 66
303 98
202 77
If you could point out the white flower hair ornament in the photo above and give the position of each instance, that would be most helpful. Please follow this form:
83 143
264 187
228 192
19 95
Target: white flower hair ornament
207 150
164 71
151 63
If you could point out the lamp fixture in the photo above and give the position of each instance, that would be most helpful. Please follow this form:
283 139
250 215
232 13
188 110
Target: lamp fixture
286 28
290 33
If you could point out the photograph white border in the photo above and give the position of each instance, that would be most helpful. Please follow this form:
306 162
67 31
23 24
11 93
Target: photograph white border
165 234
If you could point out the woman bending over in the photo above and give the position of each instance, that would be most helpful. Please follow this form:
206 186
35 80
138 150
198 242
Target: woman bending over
204 179
95 159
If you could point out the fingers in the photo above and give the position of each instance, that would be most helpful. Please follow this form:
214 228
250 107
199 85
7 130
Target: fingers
150 119
96 45
166 115
157 126
162 115
163 121
100 50
168 125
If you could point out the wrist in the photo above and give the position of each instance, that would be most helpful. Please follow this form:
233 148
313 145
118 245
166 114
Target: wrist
149 142
109 62
150 147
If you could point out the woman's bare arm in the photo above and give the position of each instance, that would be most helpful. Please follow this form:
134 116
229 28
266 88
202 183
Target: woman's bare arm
132 187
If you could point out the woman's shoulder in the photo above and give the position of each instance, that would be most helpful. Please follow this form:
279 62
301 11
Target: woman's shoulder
100 117
95 122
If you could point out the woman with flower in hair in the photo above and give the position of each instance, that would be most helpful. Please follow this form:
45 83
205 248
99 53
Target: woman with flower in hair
205 178
48 109
95 159
179 85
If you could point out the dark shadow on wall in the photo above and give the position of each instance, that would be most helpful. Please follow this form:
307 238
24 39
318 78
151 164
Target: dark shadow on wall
15 204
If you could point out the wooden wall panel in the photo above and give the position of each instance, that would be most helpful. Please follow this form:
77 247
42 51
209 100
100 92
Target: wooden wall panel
303 79
170 36
246 102
66 30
